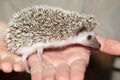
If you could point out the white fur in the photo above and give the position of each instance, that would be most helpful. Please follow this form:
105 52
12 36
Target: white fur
80 39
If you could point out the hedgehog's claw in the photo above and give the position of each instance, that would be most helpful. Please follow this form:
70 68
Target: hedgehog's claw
24 59
39 53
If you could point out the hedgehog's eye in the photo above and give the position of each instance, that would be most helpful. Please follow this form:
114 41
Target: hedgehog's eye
89 37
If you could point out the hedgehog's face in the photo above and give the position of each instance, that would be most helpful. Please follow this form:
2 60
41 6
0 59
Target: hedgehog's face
87 38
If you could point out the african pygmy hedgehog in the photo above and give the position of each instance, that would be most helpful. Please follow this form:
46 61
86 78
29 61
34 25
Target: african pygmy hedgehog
38 27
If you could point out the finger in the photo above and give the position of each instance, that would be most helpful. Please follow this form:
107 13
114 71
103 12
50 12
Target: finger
78 70
107 46
6 64
49 72
62 72
6 67
18 66
36 67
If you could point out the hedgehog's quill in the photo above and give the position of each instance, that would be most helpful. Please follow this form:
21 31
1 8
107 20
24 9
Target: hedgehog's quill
38 27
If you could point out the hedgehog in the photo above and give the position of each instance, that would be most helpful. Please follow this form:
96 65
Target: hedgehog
35 28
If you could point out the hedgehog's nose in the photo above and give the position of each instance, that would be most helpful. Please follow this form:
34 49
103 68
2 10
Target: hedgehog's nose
98 45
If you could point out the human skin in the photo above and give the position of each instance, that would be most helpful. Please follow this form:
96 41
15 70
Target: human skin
109 46
64 64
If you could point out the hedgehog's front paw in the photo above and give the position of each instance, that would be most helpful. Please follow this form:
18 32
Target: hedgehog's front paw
39 53
24 59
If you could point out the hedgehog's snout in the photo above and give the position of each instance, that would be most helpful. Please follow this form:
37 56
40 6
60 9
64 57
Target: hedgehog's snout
95 44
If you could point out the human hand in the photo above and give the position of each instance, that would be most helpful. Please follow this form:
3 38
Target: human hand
66 64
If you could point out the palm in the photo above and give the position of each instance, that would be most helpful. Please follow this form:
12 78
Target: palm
67 55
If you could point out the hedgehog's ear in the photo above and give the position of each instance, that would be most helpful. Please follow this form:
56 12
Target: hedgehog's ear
81 30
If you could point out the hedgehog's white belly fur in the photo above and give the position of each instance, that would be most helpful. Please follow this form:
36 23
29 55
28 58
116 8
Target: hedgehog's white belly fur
35 47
